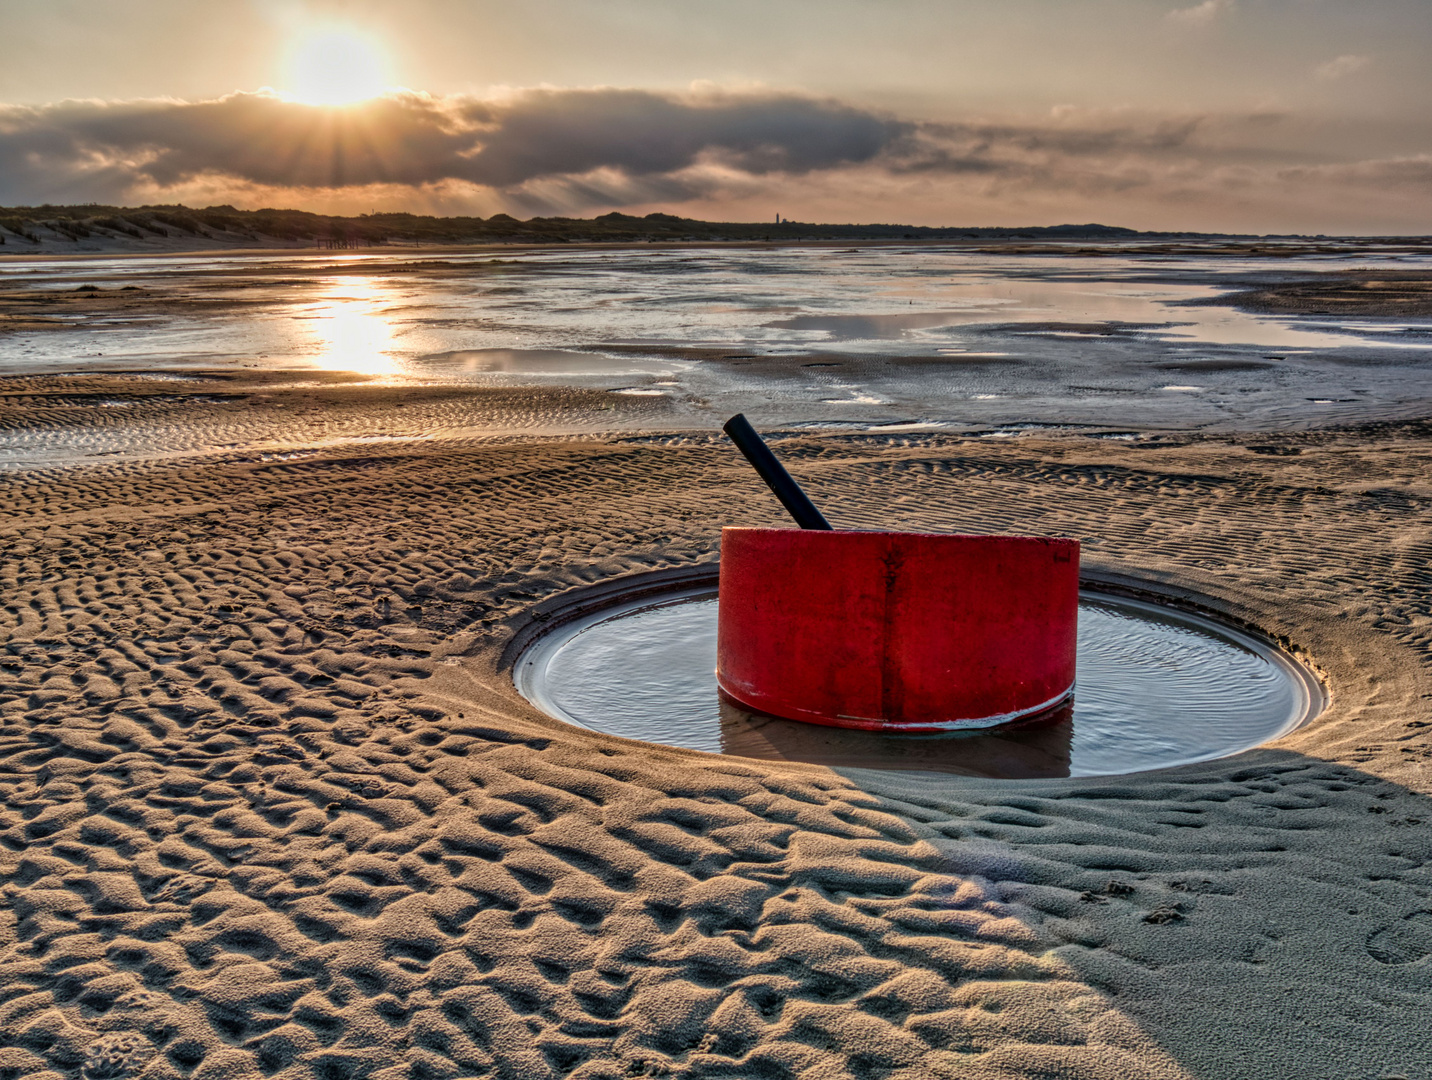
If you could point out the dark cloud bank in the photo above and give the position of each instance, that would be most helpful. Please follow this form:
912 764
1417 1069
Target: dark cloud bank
564 149
413 139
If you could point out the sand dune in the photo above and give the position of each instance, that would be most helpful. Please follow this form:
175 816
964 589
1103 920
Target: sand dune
273 809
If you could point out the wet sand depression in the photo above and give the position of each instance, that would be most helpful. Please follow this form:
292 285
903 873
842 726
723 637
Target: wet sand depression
273 807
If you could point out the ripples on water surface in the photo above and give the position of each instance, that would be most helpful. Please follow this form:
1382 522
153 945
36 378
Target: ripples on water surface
1155 688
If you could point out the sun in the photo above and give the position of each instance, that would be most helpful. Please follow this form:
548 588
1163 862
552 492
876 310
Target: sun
336 66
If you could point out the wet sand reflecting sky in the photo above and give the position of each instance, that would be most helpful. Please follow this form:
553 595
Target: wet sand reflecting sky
876 335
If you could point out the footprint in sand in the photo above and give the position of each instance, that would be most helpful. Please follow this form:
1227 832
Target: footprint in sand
1405 942
182 889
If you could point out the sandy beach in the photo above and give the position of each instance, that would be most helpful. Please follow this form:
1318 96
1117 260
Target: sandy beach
273 808
411 667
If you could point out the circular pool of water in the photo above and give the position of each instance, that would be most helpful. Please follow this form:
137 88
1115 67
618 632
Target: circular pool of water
1156 687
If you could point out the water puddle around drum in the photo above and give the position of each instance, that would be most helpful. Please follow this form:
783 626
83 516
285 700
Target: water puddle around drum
1156 688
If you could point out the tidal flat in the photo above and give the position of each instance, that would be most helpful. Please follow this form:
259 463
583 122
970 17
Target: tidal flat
875 335
273 807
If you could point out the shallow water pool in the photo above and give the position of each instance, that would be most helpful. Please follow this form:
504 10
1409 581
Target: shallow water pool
1156 687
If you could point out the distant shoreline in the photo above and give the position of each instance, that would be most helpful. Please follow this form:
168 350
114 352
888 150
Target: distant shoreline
157 230
1209 247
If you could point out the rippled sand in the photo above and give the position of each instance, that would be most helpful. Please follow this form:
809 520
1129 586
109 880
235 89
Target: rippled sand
273 808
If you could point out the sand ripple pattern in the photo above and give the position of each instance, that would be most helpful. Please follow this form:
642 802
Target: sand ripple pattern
270 811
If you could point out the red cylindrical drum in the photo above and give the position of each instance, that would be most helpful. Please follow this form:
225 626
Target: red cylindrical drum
896 631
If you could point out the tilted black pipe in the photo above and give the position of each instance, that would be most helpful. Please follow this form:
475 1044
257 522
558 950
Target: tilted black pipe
774 473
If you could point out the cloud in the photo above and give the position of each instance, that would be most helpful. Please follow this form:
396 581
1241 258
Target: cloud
1201 14
1412 174
545 150
554 132
713 152
1339 66
416 139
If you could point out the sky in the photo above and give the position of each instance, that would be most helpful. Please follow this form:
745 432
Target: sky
1263 116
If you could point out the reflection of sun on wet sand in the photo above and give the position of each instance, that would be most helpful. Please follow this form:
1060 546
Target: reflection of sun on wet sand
950 338
351 332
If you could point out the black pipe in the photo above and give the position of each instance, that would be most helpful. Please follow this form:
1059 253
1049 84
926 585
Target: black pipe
774 473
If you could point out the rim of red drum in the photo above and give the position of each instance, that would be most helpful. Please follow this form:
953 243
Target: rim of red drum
896 631
861 723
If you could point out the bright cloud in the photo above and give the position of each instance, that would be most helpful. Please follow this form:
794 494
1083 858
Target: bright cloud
1340 66
1201 14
